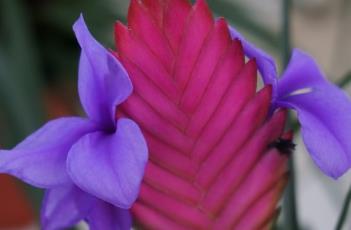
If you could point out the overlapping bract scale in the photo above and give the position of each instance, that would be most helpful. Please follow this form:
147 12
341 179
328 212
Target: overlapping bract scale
212 165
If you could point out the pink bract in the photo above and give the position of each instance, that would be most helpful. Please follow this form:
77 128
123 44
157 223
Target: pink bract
207 129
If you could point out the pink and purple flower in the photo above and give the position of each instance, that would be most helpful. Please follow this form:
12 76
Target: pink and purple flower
217 148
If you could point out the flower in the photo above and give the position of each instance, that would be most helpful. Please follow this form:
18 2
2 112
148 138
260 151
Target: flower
218 150
216 161
92 168
322 108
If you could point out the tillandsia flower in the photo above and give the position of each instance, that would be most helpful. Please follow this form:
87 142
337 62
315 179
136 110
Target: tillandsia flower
91 168
217 147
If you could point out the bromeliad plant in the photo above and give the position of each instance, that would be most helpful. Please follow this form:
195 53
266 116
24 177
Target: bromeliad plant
217 148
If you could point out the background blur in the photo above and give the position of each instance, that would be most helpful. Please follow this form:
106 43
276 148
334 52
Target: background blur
38 75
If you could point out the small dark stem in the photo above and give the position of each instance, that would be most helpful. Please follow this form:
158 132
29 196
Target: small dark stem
290 214
344 211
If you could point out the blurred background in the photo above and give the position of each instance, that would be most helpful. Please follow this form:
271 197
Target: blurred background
38 75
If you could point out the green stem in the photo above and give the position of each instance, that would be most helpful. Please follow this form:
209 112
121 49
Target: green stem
344 211
290 217
286 47
345 80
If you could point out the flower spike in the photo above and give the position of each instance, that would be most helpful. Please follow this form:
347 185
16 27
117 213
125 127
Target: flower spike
208 130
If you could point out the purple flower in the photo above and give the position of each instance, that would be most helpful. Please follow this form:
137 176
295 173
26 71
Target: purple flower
92 168
323 110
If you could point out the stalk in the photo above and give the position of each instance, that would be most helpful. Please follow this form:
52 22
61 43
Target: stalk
344 211
290 211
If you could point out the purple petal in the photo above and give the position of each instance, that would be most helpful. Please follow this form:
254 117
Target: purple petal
301 73
103 82
110 165
265 62
40 159
108 217
323 112
64 207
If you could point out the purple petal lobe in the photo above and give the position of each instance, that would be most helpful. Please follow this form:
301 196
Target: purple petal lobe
65 206
110 165
108 217
265 62
40 159
103 81
323 112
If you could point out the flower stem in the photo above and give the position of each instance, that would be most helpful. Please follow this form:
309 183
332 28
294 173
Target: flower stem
286 46
290 214
344 211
